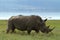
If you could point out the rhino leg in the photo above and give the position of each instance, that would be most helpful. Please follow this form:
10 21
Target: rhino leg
37 31
29 30
8 30
13 29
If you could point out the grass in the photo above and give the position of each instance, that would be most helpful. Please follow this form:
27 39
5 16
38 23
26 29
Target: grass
19 35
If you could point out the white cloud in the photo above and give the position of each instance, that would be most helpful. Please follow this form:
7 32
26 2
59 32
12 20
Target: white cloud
4 18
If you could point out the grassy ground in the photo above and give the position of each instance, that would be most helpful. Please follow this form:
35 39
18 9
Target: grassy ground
19 35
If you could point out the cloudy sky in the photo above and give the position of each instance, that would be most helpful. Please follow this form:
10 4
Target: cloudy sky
45 8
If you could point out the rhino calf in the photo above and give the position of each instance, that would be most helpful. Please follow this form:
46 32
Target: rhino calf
27 23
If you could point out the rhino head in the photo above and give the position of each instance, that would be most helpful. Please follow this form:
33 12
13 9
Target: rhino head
44 28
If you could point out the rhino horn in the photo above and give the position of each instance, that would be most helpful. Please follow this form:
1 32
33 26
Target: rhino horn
48 26
52 29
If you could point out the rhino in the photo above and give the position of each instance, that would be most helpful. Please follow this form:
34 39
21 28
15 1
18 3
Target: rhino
28 23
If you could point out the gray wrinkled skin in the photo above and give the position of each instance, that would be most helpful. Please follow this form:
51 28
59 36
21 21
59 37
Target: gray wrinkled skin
27 23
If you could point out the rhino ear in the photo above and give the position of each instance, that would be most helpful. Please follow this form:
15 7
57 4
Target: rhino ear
45 20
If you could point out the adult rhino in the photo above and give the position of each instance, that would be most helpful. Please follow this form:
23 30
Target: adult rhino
28 23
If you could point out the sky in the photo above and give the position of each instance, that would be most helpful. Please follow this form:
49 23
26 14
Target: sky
45 8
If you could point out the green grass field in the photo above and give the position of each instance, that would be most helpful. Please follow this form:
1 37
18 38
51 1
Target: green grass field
19 35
